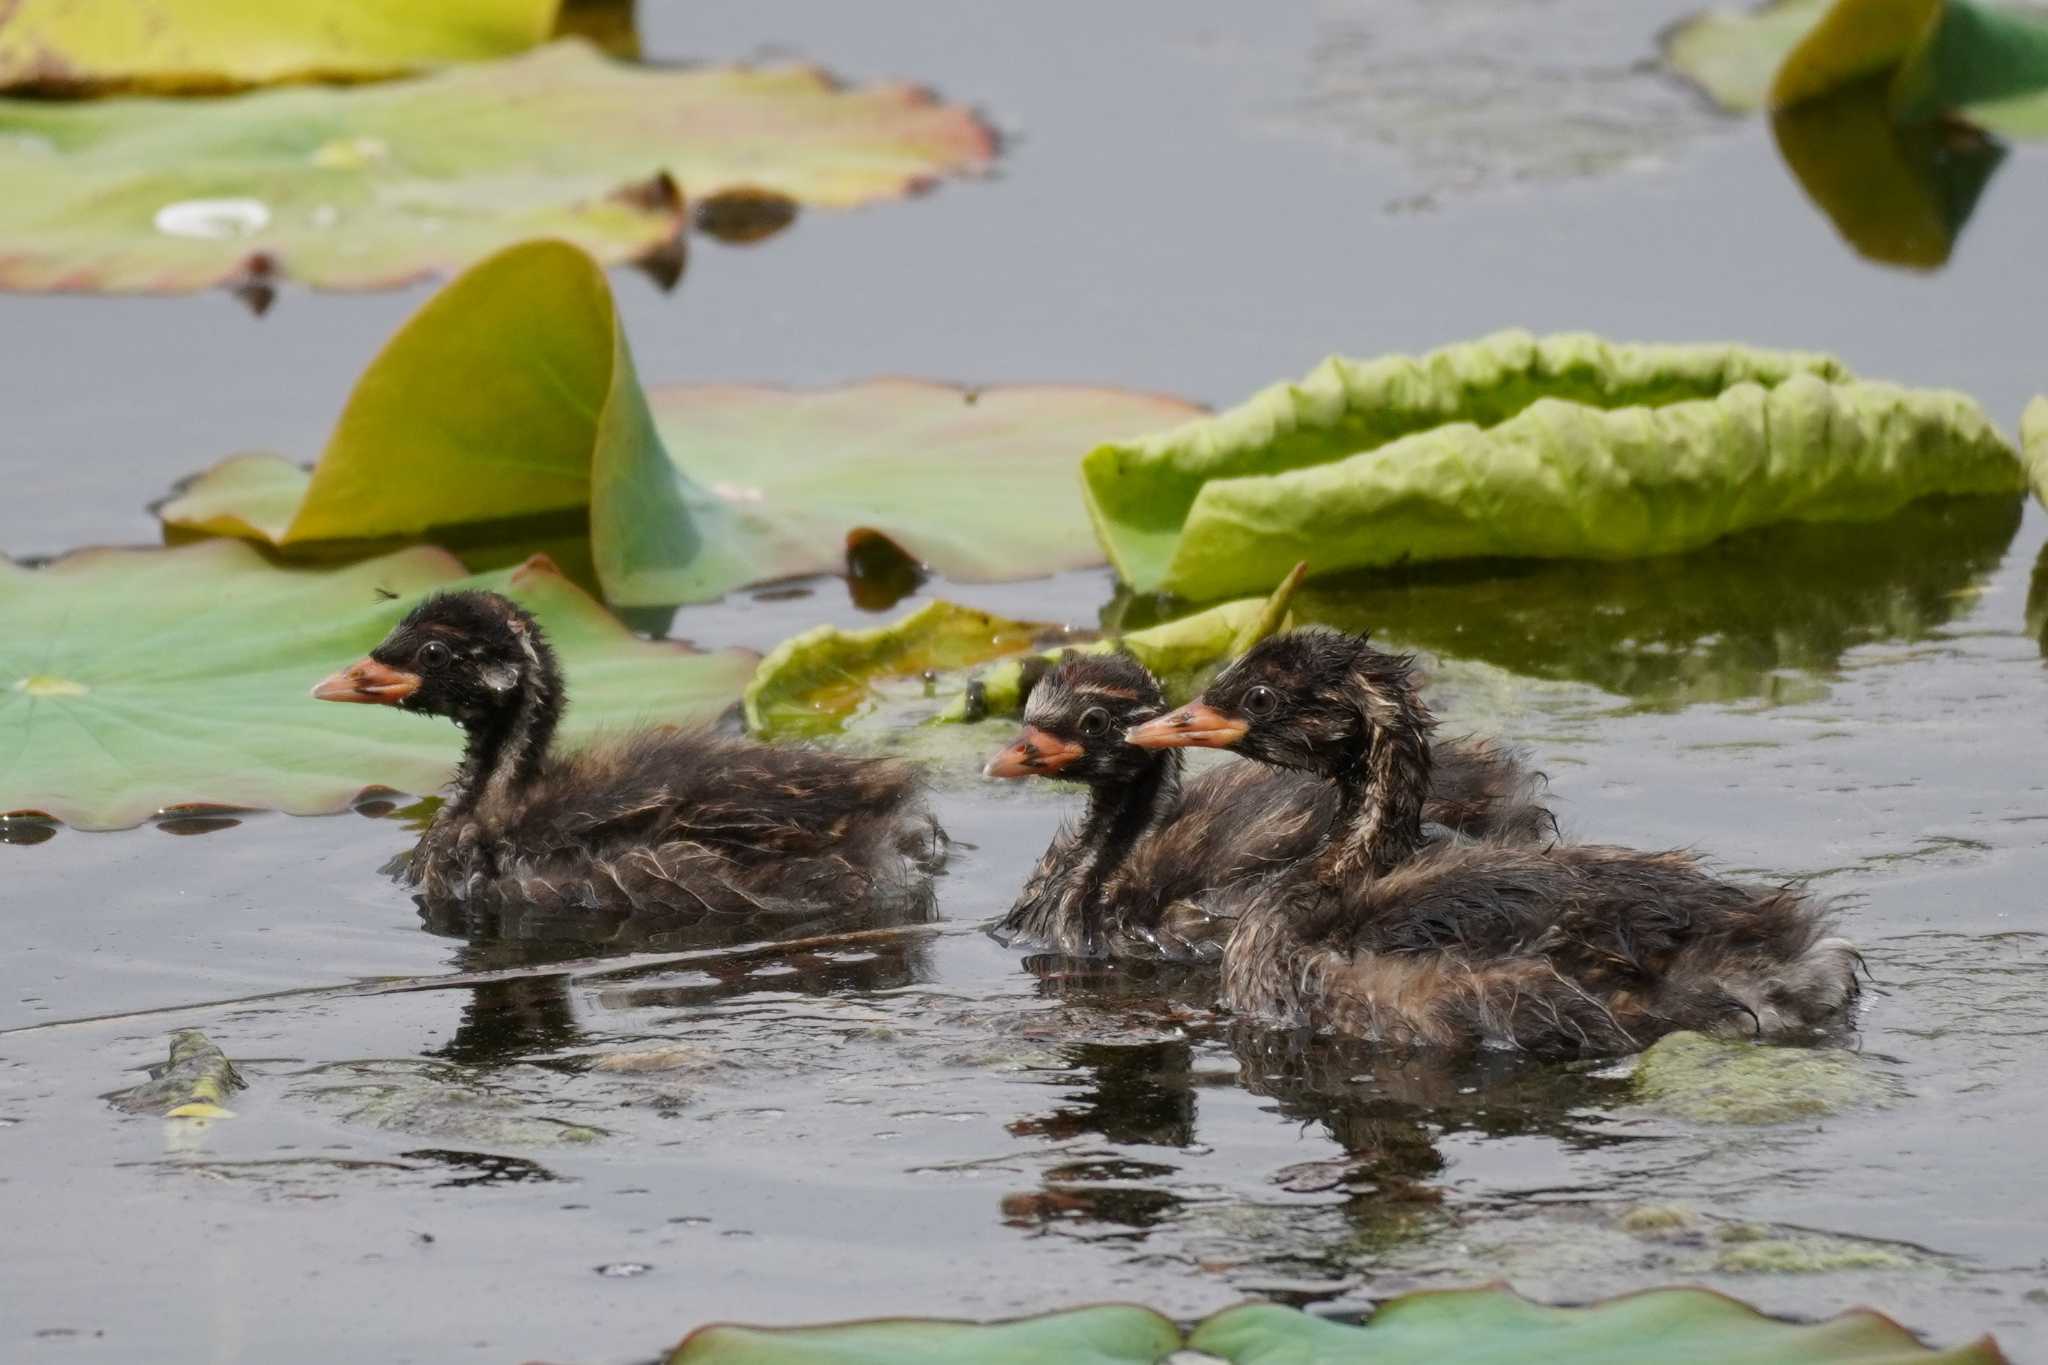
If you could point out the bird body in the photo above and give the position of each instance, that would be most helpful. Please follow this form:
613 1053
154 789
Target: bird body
1145 868
1385 933
664 821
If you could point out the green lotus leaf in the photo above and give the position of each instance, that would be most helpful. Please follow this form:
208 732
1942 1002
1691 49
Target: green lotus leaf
1564 448
1931 57
1494 1324
2034 446
132 680
532 406
375 186
1107 1334
213 45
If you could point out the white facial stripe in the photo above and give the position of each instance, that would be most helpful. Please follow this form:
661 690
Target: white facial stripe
499 677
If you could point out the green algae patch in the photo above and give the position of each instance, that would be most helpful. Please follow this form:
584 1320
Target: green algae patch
1560 448
437 1100
1710 1080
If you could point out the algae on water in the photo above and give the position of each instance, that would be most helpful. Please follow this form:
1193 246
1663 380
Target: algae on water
1710 1080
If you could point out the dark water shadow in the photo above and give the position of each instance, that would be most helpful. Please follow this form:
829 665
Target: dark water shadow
1727 623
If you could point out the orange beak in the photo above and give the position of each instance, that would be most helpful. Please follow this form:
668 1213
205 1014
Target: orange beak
366 680
1035 754
1194 726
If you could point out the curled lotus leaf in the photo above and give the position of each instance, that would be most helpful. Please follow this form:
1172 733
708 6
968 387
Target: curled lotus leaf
692 490
1925 57
135 680
375 186
206 46
1513 447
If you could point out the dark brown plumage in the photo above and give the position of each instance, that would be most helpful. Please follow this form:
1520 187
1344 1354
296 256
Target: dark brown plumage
1139 871
667 822
1562 949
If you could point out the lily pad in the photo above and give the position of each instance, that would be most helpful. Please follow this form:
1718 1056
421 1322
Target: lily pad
693 490
1713 1080
813 683
132 680
1107 1334
2034 446
1932 56
193 46
376 186
1431 1327
1562 448
1452 1326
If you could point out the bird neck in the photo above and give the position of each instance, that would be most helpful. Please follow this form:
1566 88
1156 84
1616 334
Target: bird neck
1118 815
506 750
1384 789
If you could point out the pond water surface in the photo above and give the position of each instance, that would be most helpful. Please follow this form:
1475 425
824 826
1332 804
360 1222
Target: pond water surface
917 1120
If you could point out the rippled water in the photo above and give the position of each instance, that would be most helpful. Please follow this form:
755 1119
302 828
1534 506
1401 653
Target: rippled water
578 1156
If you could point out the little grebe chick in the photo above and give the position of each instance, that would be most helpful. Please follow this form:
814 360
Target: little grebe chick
1138 871
662 820
1568 948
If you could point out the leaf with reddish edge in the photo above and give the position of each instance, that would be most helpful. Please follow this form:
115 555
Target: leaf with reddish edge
376 186
134 680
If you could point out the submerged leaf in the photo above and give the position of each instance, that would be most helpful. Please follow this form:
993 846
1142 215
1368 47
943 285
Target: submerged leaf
1493 1323
194 1084
693 490
1720 1080
1107 1334
213 45
1563 448
376 186
132 680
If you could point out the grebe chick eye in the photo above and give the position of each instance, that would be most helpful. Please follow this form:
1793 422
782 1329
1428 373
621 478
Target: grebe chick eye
1261 701
436 654
1095 722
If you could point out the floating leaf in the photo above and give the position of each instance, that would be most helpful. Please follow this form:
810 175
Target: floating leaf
131 680
190 46
1429 1327
376 186
1455 1326
808 684
1107 1334
814 683
194 1084
1562 448
1932 57
2034 445
536 408
1721 1080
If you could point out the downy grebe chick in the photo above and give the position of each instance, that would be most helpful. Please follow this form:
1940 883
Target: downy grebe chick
1558 949
662 820
1136 874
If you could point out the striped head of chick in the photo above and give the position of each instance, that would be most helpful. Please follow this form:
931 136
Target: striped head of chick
1074 723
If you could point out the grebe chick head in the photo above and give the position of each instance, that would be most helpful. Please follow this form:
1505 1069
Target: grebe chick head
1074 723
